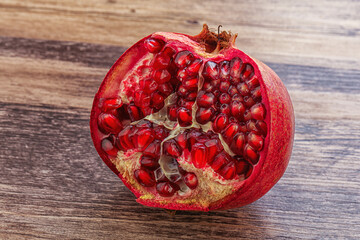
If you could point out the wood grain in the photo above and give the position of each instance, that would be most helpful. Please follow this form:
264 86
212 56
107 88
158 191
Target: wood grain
53 57
287 30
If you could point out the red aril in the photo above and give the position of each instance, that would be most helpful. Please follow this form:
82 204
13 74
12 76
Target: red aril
178 117
109 123
144 177
190 180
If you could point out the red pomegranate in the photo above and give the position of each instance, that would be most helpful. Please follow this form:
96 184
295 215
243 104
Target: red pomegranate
193 123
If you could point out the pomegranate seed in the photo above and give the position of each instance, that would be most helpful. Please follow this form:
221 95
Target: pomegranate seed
220 122
255 141
183 59
162 76
213 147
193 137
216 83
156 99
248 72
172 112
253 83
247 115
160 132
230 131
108 146
198 155
143 138
205 99
111 104
242 127
182 91
146 111
228 171
250 154
165 89
235 69
256 94
153 45
149 162
261 126
148 85
166 189
224 70
108 123
208 87
249 101
171 148
232 91
237 145
220 160
182 75
186 104
224 86
153 149
194 67
204 115
168 51
190 84
211 70
190 180
184 117
242 166
243 89
161 61
144 177
124 142
225 109
258 111
251 126
181 139
224 98
141 99
191 96
237 109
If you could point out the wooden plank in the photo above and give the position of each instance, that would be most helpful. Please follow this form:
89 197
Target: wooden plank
283 30
57 187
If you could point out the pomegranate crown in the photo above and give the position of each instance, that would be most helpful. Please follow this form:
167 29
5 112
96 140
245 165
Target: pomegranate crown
214 42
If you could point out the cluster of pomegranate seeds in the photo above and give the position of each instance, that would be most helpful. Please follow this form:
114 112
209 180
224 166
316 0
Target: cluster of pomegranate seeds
186 91
225 96
231 99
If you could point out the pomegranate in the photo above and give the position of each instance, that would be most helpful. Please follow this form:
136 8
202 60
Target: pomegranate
193 123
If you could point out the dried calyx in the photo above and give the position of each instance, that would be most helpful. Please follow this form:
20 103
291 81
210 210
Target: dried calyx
185 124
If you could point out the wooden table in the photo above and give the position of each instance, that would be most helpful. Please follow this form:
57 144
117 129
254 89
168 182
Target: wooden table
53 57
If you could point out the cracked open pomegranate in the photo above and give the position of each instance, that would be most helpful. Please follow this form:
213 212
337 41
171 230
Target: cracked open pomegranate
193 123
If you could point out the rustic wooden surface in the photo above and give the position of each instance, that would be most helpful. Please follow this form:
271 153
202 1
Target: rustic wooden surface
53 57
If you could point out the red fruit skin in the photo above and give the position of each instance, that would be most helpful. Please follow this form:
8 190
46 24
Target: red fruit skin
276 152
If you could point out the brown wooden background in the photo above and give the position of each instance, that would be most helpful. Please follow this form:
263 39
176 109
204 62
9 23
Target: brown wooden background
53 57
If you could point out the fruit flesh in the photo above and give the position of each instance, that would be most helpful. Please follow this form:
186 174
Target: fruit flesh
224 72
